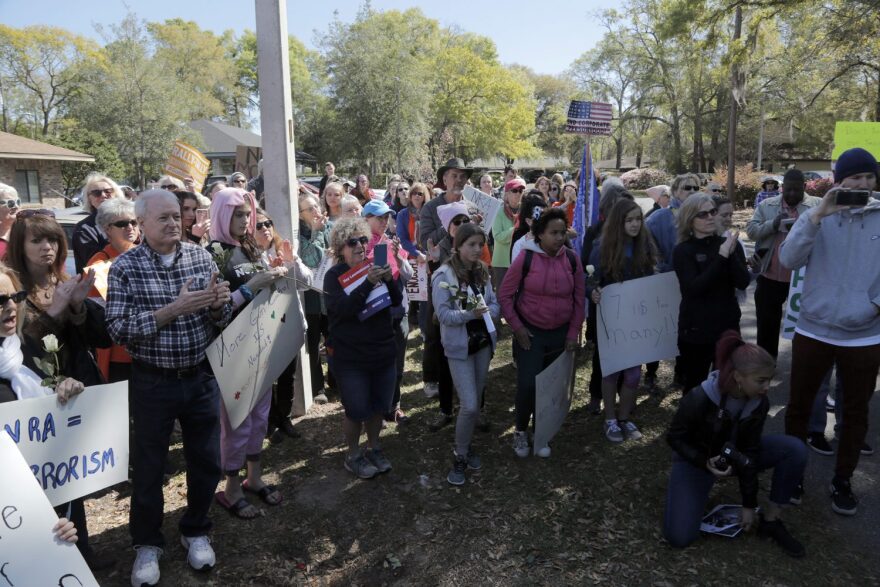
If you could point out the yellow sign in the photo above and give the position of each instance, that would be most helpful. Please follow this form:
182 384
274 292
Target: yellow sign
186 161
848 135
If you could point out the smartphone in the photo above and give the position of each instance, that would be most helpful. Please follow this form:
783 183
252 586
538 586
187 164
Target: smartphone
201 216
852 197
380 255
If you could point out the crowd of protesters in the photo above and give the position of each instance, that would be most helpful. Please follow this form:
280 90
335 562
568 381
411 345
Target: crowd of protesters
183 264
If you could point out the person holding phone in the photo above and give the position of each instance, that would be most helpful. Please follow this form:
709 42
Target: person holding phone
839 322
716 433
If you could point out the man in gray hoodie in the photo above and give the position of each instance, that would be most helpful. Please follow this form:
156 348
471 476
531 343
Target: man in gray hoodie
840 312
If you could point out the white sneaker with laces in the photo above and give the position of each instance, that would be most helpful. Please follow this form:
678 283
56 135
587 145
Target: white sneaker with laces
199 553
145 570
543 452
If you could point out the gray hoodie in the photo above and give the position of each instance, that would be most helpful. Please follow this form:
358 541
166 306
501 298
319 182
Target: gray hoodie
842 287
453 320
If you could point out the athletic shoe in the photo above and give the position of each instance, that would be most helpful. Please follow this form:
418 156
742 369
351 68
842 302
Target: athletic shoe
473 460
360 466
521 444
817 441
830 404
613 431
320 399
432 389
456 475
378 459
441 421
776 530
630 429
797 496
842 499
543 452
866 449
145 570
199 553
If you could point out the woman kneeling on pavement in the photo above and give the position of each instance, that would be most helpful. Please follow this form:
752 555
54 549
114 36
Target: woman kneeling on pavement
717 433
361 349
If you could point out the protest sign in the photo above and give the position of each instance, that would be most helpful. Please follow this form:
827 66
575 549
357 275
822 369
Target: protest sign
73 449
483 204
378 299
417 286
187 161
848 135
247 160
793 303
555 386
256 348
318 273
30 553
638 322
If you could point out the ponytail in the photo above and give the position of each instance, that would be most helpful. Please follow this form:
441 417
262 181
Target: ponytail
732 353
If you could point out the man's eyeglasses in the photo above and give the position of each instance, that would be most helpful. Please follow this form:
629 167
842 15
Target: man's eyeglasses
264 224
10 203
125 223
18 297
689 188
355 241
30 213
461 220
104 192
707 213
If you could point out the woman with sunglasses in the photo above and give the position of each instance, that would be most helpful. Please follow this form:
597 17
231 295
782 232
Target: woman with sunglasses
556 182
361 350
408 220
503 228
9 205
87 239
710 268
238 180
662 223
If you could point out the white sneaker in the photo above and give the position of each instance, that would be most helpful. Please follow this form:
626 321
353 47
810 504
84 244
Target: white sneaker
630 429
432 389
145 570
199 555
543 452
521 444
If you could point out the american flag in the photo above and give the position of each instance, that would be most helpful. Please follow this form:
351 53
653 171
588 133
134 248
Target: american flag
590 118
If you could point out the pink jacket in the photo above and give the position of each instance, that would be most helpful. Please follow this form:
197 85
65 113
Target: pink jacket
551 296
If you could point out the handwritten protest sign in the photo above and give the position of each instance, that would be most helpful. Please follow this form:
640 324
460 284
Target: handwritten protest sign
638 322
378 299
256 348
555 386
30 554
187 161
482 203
318 273
417 286
247 160
793 303
856 134
73 449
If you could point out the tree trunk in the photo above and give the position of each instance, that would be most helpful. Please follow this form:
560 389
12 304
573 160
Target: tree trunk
618 147
731 127
675 128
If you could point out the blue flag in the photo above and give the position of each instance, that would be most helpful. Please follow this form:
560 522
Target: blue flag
586 209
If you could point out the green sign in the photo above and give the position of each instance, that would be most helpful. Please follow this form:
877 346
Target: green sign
856 134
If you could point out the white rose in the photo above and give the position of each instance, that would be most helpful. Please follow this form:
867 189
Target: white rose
50 343
590 270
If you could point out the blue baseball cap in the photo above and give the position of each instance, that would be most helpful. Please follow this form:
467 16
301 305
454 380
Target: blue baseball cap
376 208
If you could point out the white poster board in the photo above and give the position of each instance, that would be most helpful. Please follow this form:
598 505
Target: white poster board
256 348
637 322
417 286
555 386
73 449
482 203
793 303
30 554
318 273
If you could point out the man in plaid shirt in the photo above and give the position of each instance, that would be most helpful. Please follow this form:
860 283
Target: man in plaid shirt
165 304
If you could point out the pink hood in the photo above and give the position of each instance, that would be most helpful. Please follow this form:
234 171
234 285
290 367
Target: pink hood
223 207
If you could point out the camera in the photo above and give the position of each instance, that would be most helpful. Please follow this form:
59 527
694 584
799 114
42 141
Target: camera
852 197
731 457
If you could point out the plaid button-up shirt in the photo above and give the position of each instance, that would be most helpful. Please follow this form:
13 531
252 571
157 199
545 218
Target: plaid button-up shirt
139 284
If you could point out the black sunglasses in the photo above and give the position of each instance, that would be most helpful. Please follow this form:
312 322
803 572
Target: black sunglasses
124 223
518 190
11 203
104 192
689 188
239 181
34 212
264 224
461 220
170 187
706 213
717 191
355 241
18 297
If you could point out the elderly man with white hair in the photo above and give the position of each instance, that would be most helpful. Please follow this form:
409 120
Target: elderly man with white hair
166 304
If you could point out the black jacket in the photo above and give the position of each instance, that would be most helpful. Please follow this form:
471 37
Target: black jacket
708 285
697 434
87 240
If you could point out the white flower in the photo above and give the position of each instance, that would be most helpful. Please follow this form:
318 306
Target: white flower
217 248
50 343
590 270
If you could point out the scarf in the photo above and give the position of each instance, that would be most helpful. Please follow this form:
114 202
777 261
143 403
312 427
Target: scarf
510 213
25 383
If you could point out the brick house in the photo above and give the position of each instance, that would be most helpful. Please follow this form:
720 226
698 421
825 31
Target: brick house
34 169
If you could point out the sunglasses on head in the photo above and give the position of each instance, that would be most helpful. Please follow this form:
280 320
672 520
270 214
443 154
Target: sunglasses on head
17 297
104 192
10 203
125 223
34 212
264 224
356 240
689 188
707 213
460 220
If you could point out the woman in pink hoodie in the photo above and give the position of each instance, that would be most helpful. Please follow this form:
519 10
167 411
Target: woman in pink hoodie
545 310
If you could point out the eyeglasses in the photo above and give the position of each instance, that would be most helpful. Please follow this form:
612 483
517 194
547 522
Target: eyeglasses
106 192
717 191
461 220
689 188
403 189
239 180
355 241
264 224
707 213
10 203
424 195
124 223
169 187
518 190
34 212
18 297
553 188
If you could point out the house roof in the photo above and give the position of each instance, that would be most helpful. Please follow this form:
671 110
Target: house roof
16 147
224 139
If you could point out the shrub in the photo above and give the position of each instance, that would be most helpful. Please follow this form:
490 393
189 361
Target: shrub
747 182
640 179
819 187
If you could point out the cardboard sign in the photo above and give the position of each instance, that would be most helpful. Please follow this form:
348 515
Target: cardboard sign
638 322
848 135
247 160
378 299
30 552
555 386
483 204
186 160
417 286
793 303
256 348
73 449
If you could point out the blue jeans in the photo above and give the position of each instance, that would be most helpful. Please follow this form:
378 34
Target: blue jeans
689 486
365 391
156 402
